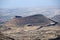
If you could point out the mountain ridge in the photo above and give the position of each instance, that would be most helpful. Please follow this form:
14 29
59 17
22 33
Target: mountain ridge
37 19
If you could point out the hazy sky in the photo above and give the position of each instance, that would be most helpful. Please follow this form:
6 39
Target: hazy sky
29 3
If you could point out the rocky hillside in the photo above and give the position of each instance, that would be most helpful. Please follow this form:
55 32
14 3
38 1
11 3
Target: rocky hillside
45 33
3 37
31 32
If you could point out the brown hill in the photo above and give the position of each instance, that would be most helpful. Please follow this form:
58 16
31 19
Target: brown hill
34 20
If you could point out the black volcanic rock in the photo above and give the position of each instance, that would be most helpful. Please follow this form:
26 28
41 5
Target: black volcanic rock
18 16
35 20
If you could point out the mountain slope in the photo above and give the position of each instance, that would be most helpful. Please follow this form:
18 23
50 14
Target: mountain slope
3 37
34 20
56 18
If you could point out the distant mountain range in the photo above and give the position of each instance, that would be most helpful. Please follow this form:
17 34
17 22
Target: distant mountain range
7 14
4 19
48 12
34 20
